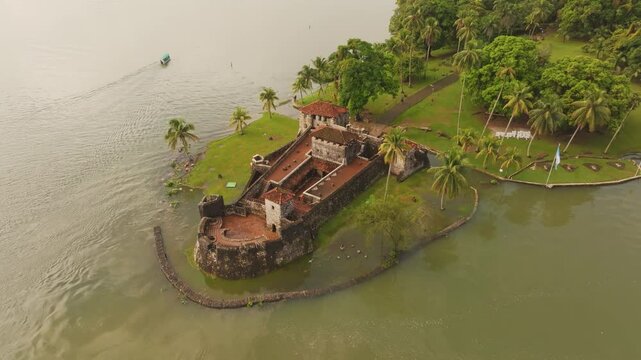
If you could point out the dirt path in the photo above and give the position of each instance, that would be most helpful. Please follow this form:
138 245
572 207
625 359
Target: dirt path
388 117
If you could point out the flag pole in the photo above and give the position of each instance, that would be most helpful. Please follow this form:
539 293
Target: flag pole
555 162
547 182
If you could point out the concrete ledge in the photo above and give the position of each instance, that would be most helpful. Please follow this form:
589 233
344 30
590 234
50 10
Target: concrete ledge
215 303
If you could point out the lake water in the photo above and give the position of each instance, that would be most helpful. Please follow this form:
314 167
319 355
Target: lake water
537 274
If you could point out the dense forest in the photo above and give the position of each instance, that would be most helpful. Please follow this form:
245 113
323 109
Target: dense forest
494 46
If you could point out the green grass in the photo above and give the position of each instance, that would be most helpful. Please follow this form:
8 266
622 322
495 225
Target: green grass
231 155
581 175
559 48
439 112
438 69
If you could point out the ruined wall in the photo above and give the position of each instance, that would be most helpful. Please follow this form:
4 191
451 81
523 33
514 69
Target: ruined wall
254 207
212 206
329 206
329 151
415 160
351 151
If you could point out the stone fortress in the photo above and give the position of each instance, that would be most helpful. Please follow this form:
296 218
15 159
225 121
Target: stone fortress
291 193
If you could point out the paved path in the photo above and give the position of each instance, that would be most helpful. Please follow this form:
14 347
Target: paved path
393 113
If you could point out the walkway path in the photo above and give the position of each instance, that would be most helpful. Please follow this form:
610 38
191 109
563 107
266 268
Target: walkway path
396 111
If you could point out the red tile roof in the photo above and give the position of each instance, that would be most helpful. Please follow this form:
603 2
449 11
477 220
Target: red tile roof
279 196
334 135
323 108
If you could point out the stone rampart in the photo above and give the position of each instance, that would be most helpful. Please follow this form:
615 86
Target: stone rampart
216 303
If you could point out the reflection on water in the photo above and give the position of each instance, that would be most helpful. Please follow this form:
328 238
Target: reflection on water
537 274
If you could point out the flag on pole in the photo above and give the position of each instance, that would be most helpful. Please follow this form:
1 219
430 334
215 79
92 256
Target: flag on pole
557 158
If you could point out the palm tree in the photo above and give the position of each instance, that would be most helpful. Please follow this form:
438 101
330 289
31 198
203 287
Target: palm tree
591 112
633 105
180 131
512 156
464 60
306 76
488 148
238 119
408 39
466 33
320 72
519 102
393 146
431 33
459 24
506 73
268 97
397 46
545 118
466 139
449 179
298 87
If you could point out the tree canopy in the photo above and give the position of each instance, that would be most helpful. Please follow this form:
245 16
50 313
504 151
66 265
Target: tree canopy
366 72
584 18
443 11
517 53
573 79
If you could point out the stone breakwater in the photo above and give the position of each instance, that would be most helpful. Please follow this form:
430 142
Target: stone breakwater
216 303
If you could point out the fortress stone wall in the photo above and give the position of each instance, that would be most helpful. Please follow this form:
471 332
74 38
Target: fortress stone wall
296 238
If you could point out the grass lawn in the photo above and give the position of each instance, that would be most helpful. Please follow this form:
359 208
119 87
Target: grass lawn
231 155
558 48
580 174
438 69
439 112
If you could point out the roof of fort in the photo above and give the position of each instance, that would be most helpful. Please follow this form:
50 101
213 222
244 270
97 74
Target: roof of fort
323 108
278 195
334 135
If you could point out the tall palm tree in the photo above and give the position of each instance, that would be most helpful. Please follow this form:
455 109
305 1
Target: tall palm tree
408 39
505 73
268 97
520 103
239 119
511 157
459 24
320 72
180 131
393 146
545 118
466 139
431 33
412 25
488 148
633 105
298 87
466 34
306 76
397 46
465 60
590 113
449 179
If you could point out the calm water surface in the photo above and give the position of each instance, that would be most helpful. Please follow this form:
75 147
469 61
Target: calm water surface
83 107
